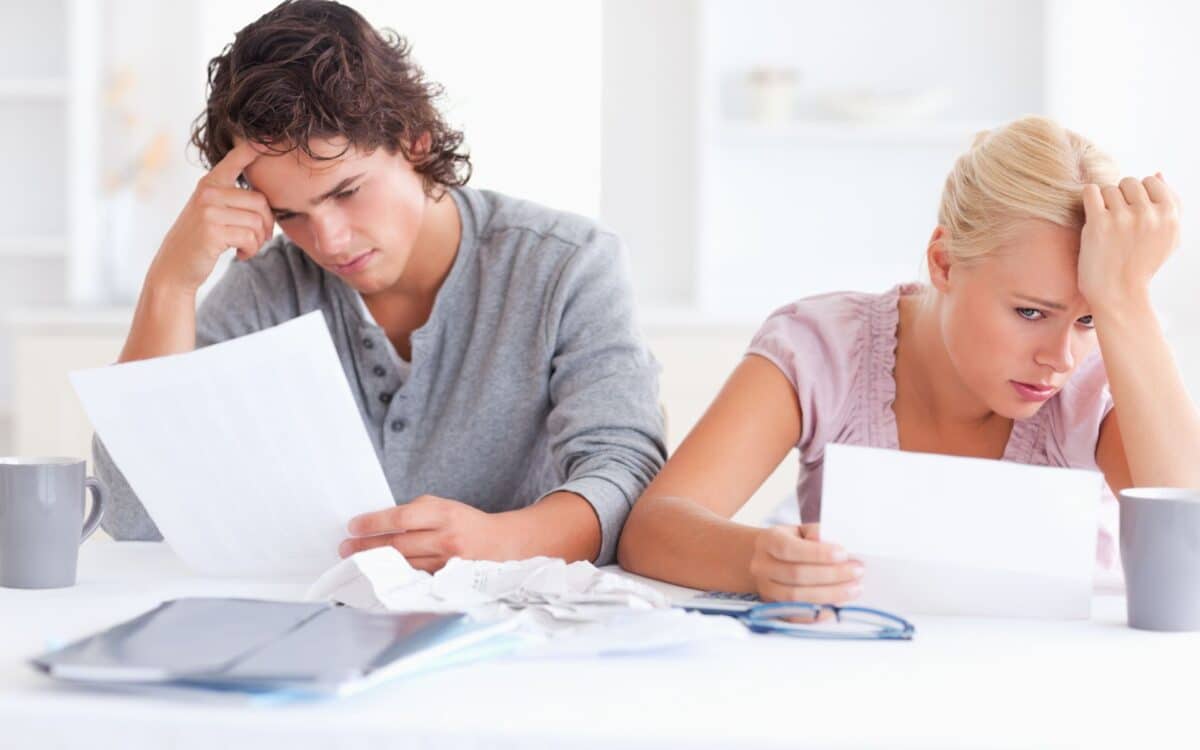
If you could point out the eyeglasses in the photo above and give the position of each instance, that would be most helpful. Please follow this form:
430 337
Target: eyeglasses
804 619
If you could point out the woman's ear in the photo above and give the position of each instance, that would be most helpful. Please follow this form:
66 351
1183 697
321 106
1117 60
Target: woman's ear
937 258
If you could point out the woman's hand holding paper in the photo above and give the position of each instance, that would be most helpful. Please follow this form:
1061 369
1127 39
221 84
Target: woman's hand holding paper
791 563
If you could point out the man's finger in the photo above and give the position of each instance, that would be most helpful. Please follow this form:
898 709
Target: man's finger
420 544
411 517
247 200
428 564
353 546
245 240
226 171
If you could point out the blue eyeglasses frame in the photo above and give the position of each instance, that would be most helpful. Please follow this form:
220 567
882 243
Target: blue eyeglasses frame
765 618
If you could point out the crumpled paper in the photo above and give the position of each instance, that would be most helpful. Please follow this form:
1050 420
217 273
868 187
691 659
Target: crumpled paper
562 608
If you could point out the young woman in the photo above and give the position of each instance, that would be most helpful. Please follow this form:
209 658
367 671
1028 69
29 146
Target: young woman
488 341
1037 309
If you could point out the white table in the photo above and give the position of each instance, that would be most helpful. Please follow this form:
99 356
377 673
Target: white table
961 683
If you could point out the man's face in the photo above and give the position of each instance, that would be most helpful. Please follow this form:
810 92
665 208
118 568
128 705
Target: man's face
357 216
1015 323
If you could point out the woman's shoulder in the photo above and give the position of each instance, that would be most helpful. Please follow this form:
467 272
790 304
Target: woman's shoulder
829 328
838 351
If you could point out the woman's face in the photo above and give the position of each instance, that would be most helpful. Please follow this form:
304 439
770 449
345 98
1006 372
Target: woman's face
1014 323
357 216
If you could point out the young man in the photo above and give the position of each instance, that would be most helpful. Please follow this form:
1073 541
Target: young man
489 342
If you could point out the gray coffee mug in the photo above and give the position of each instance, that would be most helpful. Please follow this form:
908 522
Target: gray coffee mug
41 520
1160 553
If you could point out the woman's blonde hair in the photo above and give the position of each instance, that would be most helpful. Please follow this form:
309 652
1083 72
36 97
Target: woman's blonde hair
1031 168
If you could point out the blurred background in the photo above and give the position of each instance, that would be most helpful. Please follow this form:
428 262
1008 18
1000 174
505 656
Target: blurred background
748 152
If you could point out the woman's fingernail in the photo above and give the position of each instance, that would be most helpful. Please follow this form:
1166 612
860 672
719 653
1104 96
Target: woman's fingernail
854 591
858 571
839 555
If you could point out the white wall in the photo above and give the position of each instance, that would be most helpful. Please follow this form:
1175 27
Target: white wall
527 100
1125 77
522 79
649 172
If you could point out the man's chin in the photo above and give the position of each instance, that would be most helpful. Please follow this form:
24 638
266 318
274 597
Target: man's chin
368 283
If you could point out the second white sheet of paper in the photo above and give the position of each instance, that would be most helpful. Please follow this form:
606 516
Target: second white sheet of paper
249 455
964 536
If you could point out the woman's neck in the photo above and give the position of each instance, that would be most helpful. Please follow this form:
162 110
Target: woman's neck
926 378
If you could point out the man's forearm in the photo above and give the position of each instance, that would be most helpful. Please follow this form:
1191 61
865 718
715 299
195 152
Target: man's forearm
562 524
164 322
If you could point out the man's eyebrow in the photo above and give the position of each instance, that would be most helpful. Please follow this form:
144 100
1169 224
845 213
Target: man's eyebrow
324 196
1042 302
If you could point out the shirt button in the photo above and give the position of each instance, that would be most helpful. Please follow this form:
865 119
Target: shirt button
379 371
385 397
398 425
368 344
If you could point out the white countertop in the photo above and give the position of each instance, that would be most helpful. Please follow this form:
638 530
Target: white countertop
961 683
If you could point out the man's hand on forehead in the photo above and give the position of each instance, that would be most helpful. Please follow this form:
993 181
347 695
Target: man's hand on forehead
230 171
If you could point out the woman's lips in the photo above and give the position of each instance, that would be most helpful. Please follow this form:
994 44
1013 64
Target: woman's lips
1031 392
355 265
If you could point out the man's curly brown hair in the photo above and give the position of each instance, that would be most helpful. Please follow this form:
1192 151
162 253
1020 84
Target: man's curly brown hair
317 69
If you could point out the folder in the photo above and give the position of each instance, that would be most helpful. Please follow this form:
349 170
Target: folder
257 646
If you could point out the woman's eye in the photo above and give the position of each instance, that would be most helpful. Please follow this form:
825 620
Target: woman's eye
1030 313
284 217
1086 322
346 194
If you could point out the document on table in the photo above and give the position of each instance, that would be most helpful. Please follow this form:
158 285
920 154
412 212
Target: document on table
963 536
249 455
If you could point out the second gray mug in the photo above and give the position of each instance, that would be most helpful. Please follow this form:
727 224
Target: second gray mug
41 520
1160 552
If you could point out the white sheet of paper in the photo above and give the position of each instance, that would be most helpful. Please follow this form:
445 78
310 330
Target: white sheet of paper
250 455
963 536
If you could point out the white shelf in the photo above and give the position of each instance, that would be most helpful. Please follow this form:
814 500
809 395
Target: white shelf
33 247
850 133
33 88
69 320
694 318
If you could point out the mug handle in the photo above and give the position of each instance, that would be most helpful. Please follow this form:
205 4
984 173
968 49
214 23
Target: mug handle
99 498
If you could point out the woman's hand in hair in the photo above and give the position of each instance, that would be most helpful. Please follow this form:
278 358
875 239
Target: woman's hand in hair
791 563
1129 232
219 215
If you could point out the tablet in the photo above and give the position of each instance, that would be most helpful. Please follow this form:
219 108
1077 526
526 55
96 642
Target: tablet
257 645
